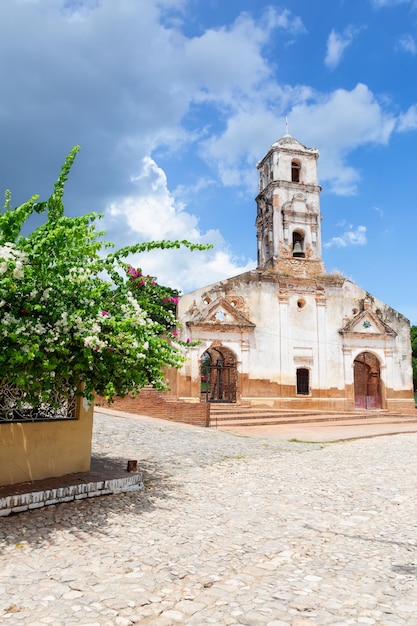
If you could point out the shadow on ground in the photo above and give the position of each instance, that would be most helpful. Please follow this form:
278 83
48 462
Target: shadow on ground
89 516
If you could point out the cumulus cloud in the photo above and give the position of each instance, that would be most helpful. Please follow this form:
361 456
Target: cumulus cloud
246 135
351 237
122 103
128 82
338 122
154 213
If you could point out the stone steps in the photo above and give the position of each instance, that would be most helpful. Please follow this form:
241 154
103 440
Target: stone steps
237 415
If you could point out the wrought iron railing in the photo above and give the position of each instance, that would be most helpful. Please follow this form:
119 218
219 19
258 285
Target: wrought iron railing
14 407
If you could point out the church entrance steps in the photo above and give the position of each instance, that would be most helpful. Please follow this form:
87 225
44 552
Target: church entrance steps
237 415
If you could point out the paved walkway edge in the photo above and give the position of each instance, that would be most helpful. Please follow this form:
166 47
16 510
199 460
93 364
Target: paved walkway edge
35 499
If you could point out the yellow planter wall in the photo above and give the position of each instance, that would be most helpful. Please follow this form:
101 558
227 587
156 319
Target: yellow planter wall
33 450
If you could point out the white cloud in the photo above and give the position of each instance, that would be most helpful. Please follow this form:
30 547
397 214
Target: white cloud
338 122
337 44
351 237
284 20
227 64
122 102
185 270
153 213
408 121
126 80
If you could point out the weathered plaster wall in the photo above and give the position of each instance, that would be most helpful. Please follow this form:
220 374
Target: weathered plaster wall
297 324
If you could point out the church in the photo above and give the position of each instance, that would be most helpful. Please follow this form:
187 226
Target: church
287 334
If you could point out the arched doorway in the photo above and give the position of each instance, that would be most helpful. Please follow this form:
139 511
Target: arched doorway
367 381
218 375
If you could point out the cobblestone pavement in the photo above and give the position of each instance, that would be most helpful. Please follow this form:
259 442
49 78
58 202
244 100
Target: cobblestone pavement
229 530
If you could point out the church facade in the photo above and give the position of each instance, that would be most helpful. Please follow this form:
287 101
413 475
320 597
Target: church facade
288 334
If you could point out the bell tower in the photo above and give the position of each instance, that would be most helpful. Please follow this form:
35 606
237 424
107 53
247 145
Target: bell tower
288 220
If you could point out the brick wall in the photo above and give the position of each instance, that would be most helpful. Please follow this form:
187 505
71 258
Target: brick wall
156 404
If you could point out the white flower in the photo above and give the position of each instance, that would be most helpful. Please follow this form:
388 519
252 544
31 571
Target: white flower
95 343
17 272
78 274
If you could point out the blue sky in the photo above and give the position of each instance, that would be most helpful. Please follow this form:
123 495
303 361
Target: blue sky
173 103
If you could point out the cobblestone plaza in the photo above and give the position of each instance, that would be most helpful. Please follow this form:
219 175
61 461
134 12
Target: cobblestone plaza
228 530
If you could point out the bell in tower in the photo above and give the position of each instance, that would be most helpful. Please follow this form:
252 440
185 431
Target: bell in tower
288 218
297 248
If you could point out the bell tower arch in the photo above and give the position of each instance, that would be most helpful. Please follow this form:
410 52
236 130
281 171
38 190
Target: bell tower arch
288 220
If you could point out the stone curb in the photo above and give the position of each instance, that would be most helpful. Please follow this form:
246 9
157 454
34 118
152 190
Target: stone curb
36 499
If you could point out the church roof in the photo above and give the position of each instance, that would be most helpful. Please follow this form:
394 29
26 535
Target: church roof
290 143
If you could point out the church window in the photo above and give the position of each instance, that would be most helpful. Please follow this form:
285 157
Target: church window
303 381
298 245
266 244
295 171
301 303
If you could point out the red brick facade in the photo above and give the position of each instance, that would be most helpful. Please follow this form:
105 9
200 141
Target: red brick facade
157 404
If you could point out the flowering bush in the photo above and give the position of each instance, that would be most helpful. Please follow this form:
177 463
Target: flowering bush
74 316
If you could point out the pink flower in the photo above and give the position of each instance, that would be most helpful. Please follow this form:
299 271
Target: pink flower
175 333
131 270
188 340
105 314
174 300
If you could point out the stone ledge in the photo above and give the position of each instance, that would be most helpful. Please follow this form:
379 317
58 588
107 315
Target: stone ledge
105 480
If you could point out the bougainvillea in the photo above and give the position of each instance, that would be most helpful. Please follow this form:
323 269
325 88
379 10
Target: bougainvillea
73 314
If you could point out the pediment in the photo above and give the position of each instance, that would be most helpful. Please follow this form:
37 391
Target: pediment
221 313
367 323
